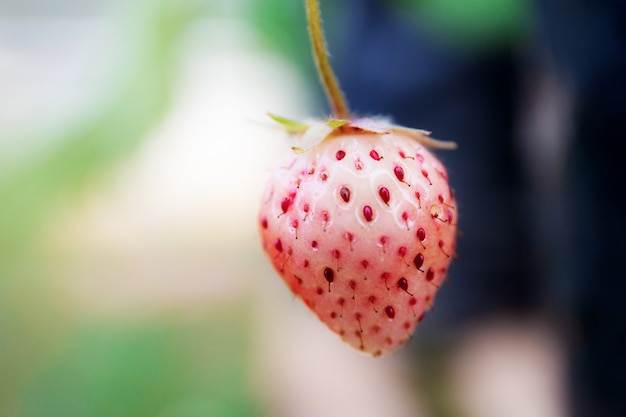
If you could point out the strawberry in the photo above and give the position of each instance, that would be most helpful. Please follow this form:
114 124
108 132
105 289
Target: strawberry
360 223
362 227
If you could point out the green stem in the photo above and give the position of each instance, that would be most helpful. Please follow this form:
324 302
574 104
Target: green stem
334 94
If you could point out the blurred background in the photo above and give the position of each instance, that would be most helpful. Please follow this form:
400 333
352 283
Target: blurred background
134 148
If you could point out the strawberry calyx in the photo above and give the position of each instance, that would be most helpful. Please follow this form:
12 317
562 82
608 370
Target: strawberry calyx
308 135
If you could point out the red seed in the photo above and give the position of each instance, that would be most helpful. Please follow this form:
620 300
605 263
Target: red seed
425 174
285 204
352 285
294 224
372 300
375 156
385 276
405 217
325 218
345 194
418 261
383 192
403 284
329 274
404 155
340 155
430 274
390 312
368 213
399 173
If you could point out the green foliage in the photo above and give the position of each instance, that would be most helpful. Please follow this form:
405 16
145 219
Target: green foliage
282 26
178 368
477 23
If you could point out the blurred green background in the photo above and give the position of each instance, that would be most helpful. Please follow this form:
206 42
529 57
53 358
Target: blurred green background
84 85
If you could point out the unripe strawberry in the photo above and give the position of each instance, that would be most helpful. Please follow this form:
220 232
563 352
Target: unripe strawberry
362 227
360 222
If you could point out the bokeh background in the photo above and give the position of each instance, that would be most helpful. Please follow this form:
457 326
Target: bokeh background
133 152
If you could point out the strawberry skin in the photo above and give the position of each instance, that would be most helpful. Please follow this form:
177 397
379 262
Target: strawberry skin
362 227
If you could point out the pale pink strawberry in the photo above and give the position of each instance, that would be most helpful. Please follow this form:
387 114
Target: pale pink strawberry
360 223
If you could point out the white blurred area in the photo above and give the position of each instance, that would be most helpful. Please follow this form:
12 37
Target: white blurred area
179 218
174 228
192 188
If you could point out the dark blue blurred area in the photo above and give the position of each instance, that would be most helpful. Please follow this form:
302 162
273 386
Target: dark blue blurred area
463 96
471 94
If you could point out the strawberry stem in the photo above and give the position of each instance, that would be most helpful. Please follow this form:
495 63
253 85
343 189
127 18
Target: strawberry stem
329 81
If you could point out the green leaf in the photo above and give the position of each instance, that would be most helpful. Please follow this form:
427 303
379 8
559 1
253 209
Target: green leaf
315 134
336 123
291 126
